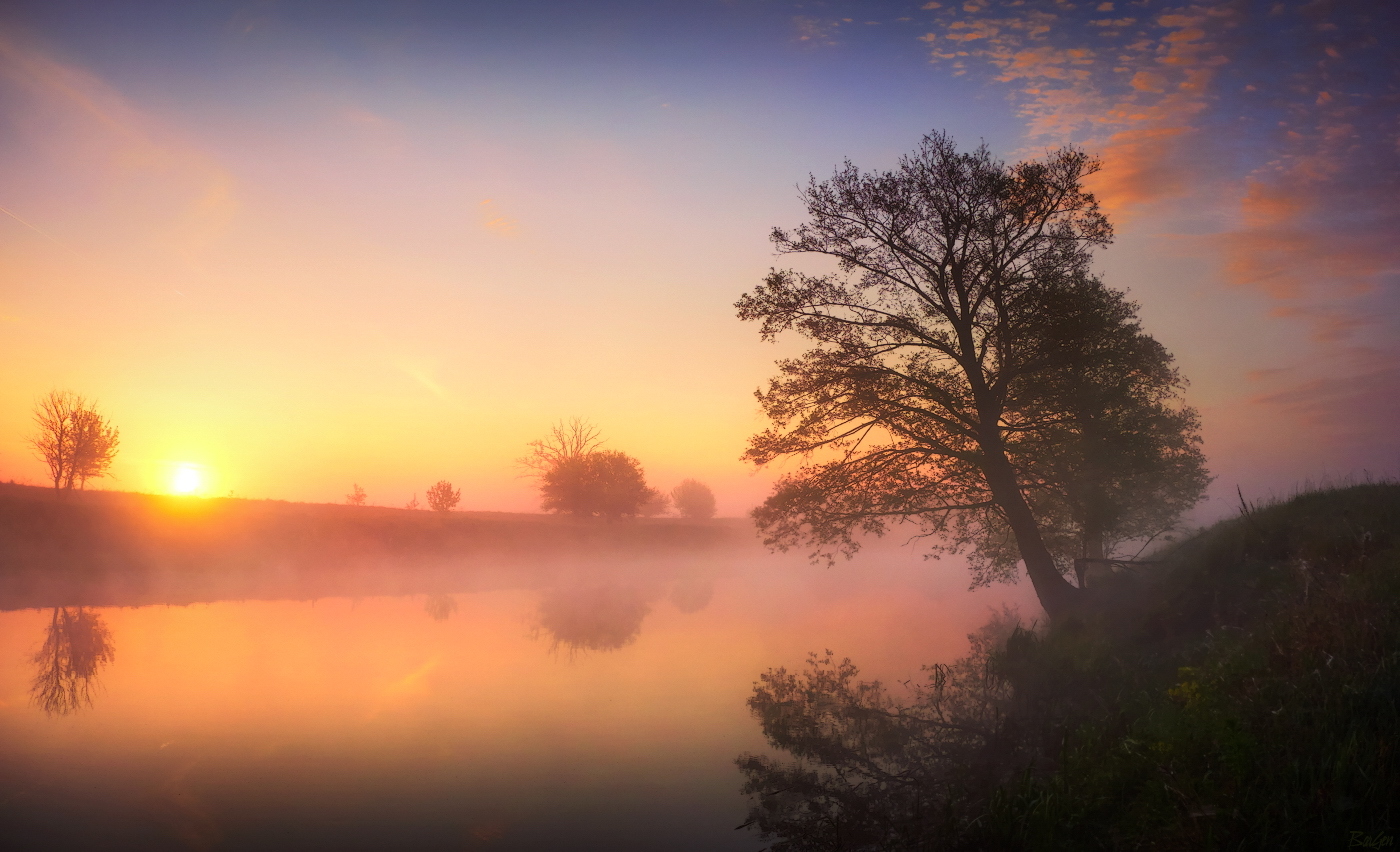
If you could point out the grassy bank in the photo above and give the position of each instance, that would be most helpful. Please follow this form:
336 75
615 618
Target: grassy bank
1240 694
115 548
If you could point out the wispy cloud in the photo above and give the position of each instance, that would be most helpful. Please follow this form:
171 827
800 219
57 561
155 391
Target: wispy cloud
126 160
1301 156
816 32
1277 123
493 220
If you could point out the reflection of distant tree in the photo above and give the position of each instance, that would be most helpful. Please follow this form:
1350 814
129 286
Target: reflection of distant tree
603 618
77 644
440 607
692 594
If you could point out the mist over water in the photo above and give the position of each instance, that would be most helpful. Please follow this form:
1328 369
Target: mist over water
595 701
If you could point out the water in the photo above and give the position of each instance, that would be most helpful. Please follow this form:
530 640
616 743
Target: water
583 705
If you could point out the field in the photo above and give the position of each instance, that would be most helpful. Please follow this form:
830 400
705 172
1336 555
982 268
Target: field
103 548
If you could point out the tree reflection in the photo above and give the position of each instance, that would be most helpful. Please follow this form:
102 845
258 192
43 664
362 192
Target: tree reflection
77 644
440 607
692 594
602 618
871 771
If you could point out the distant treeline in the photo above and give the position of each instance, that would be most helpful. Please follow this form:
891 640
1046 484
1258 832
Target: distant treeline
113 548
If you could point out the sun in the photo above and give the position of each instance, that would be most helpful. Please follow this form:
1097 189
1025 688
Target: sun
187 479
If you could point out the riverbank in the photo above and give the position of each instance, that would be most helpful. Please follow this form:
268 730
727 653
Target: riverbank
1241 691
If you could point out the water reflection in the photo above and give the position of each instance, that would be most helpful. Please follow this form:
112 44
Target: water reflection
692 594
880 768
77 644
597 618
440 607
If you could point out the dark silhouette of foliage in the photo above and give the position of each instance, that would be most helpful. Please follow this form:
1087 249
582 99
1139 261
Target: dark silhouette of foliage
357 496
1117 458
442 497
77 644
694 499
578 478
602 483
1240 694
940 388
873 772
74 440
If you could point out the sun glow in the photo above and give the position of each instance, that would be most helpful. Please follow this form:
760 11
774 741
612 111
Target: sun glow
186 480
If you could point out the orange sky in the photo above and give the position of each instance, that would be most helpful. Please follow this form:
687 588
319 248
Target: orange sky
303 253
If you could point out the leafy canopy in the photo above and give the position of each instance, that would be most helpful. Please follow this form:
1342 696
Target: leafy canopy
954 379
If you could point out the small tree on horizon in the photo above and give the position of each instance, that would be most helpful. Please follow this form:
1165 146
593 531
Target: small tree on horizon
442 497
74 440
694 499
357 496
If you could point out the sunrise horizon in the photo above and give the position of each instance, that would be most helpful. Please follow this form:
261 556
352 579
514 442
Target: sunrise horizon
699 426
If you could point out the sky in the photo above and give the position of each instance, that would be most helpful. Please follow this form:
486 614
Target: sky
307 245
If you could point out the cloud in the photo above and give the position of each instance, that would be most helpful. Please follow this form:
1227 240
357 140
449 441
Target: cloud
1352 409
1273 132
1301 157
819 32
132 167
493 220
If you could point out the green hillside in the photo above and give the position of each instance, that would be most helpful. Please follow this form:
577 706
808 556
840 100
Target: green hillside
1241 693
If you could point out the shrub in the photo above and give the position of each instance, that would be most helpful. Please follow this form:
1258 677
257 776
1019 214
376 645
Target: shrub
442 497
694 499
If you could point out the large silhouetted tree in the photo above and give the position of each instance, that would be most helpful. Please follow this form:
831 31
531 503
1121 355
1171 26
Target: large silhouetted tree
74 440
1117 458
942 387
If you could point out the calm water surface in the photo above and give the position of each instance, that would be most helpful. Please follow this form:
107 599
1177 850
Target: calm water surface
589 706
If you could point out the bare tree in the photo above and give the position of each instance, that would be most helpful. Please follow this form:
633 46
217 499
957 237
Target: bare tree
566 442
357 496
442 497
74 440
694 499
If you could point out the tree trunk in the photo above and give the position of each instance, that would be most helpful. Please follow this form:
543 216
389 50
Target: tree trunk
1057 595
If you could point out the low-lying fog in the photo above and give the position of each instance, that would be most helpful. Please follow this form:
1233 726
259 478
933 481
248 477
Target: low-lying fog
506 707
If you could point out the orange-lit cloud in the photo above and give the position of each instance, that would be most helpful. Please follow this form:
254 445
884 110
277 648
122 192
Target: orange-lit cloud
1288 172
1142 99
493 220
